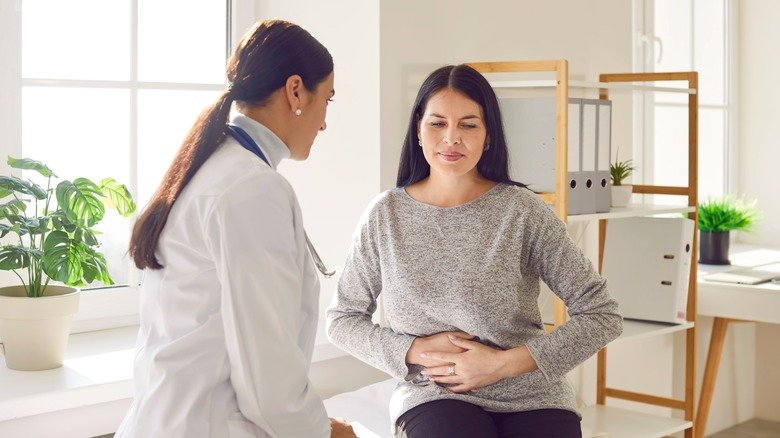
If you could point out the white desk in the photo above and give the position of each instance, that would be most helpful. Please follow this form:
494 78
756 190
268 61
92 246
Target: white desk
732 303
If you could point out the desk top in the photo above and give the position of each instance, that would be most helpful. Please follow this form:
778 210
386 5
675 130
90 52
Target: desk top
760 302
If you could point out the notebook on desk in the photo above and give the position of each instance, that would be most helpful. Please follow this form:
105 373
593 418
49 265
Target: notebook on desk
751 275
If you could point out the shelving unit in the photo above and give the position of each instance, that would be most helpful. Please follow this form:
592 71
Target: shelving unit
615 421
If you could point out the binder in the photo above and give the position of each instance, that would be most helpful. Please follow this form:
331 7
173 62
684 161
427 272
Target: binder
588 170
647 264
603 153
529 128
574 205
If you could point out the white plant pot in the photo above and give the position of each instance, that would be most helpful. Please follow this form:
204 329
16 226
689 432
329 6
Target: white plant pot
34 331
621 195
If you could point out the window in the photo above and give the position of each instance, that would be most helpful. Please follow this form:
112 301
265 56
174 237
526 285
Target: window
683 35
95 89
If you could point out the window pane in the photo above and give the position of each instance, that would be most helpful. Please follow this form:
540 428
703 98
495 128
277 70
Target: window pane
76 39
164 118
670 148
182 41
675 50
710 37
711 152
81 132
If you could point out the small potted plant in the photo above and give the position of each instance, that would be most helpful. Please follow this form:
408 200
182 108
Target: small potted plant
717 217
619 171
51 240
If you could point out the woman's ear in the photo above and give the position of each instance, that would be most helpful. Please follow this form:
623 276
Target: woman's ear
293 89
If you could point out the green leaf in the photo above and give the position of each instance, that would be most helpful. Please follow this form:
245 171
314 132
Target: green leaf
88 237
60 222
96 268
26 163
118 196
63 257
12 208
14 184
17 257
81 201
726 214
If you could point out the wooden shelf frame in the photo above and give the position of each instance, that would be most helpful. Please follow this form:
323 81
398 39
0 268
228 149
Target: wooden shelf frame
687 404
559 201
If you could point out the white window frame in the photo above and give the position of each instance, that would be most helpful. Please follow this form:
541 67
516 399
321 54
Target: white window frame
115 306
644 50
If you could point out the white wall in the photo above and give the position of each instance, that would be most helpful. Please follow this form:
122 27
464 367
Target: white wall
759 132
759 155
342 173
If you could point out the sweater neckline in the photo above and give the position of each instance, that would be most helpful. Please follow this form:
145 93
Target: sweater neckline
478 199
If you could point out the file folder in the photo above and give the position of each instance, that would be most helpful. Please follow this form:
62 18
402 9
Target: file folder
574 188
647 262
603 151
529 128
588 170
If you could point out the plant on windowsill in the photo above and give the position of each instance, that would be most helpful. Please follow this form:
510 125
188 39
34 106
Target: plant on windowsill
50 239
619 171
717 217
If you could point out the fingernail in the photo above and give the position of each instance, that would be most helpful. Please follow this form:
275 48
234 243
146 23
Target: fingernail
423 354
452 337
424 373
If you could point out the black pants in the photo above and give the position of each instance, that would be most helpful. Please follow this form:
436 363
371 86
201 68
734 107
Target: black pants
454 418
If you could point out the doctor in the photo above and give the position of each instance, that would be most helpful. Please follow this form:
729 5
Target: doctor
229 300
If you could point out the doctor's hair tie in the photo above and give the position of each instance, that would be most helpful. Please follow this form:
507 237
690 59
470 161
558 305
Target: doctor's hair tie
235 90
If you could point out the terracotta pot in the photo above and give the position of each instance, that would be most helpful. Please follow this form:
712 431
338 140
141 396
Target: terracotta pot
34 331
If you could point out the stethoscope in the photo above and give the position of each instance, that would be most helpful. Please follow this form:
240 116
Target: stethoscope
249 144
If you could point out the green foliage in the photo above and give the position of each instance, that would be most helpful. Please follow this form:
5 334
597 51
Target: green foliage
727 213
620 170
56 243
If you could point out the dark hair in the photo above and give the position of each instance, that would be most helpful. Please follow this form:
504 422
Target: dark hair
494 163
269 53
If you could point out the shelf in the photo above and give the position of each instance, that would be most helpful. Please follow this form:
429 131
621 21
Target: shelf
98 368
633 330
622 423
632 210
594 85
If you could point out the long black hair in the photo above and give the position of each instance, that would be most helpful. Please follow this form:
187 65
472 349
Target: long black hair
270 52
494 163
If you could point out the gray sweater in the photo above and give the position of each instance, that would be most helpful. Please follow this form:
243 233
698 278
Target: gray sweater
476 268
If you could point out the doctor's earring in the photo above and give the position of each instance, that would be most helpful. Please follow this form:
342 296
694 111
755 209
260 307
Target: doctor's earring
298 112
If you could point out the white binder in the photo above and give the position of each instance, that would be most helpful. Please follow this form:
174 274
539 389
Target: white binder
647 264
529 127
604 141
589 175
574 205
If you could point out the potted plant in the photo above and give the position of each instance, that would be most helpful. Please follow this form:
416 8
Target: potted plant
717 217
618 172
50 240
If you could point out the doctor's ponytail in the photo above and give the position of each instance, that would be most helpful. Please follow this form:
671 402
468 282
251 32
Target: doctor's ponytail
269 53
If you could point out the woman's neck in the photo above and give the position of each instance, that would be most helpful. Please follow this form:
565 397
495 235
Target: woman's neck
448 191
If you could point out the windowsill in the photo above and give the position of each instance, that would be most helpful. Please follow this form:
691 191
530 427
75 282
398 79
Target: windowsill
98 368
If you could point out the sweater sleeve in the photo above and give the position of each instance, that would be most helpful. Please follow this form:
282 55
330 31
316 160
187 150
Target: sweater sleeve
349 323
594 319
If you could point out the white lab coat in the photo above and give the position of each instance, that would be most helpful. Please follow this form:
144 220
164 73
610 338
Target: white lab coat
228 325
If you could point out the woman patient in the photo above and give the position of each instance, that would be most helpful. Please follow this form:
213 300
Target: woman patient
457 251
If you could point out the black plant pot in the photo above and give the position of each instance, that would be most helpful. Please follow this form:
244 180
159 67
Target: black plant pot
714 248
